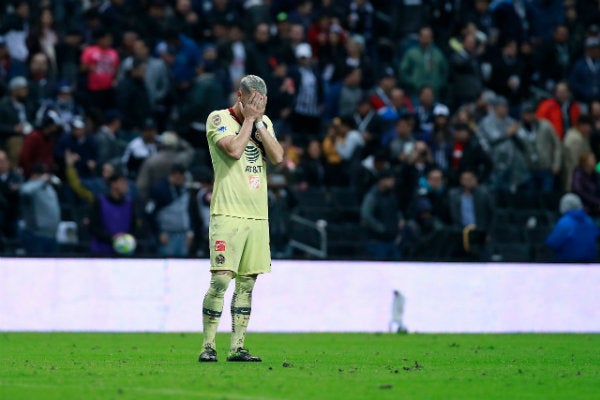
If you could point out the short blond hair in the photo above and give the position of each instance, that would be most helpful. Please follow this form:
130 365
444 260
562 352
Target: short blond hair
250 83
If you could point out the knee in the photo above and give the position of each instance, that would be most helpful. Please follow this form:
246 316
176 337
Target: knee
220 282
244 284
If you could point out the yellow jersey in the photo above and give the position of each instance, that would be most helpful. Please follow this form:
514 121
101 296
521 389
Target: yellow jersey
240 188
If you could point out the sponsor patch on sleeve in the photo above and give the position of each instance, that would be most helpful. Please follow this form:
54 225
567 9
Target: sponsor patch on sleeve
216 120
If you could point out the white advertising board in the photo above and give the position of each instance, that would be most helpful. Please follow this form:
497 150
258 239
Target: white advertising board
164 295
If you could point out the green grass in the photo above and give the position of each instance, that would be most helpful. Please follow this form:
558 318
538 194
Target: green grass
300 366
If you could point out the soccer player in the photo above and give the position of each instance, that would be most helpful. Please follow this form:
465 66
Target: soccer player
240 139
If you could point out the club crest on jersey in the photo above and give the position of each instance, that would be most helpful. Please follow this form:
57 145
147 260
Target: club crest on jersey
220 245
252 154
216 120
220 259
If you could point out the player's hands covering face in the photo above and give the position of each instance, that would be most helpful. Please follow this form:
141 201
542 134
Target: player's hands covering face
255 106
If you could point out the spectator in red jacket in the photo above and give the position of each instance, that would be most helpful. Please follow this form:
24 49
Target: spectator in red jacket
38 147
560 110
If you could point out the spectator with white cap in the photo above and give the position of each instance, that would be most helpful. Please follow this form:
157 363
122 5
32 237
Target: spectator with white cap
79 141
574 236
305 119
16 114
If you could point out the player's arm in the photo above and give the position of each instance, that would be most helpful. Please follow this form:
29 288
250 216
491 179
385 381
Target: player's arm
271 144
234 146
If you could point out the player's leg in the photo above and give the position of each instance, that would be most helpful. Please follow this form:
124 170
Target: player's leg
224 262
241 307
212 308
256 259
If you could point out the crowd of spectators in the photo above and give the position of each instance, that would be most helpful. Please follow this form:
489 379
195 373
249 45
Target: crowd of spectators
427 114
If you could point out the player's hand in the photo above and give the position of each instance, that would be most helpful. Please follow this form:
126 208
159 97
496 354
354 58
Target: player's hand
254 107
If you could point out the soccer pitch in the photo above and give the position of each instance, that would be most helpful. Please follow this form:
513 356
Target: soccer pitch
300 366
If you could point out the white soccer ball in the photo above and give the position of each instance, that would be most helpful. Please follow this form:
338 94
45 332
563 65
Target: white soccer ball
125 244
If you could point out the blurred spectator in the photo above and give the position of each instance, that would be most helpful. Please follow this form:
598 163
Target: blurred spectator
259 52
68 54
310 172
64 104
109 140
133 100
403 143
16 118
235 52
41 85
466 154
381 94
498 134
173 150
205 96
201 196
181 54
440 139
10 184
555 57
424 65
585 74
465 72
421 229
595 136
412 168
112 215
156 77
576 143
574 236
586 183
168 212
342 147
305 119
80 142
4 64
424 112
543 150
400 106
370 169
185 17
15 28
471 208
382 219
38 146
433 188
561 111
343 97
140 148
282 93
100 62
369 124
43 39
41 212
281 204
513 19
509 78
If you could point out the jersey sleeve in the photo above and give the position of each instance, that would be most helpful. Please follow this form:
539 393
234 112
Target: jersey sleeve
216 129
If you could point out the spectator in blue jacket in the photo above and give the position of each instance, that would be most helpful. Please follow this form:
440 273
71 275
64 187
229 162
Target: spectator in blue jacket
573 239
585 75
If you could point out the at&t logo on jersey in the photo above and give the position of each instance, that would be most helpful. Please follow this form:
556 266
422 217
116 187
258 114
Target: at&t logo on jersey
252 154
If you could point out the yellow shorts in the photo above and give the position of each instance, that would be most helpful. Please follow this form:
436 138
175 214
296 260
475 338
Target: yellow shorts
240 245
